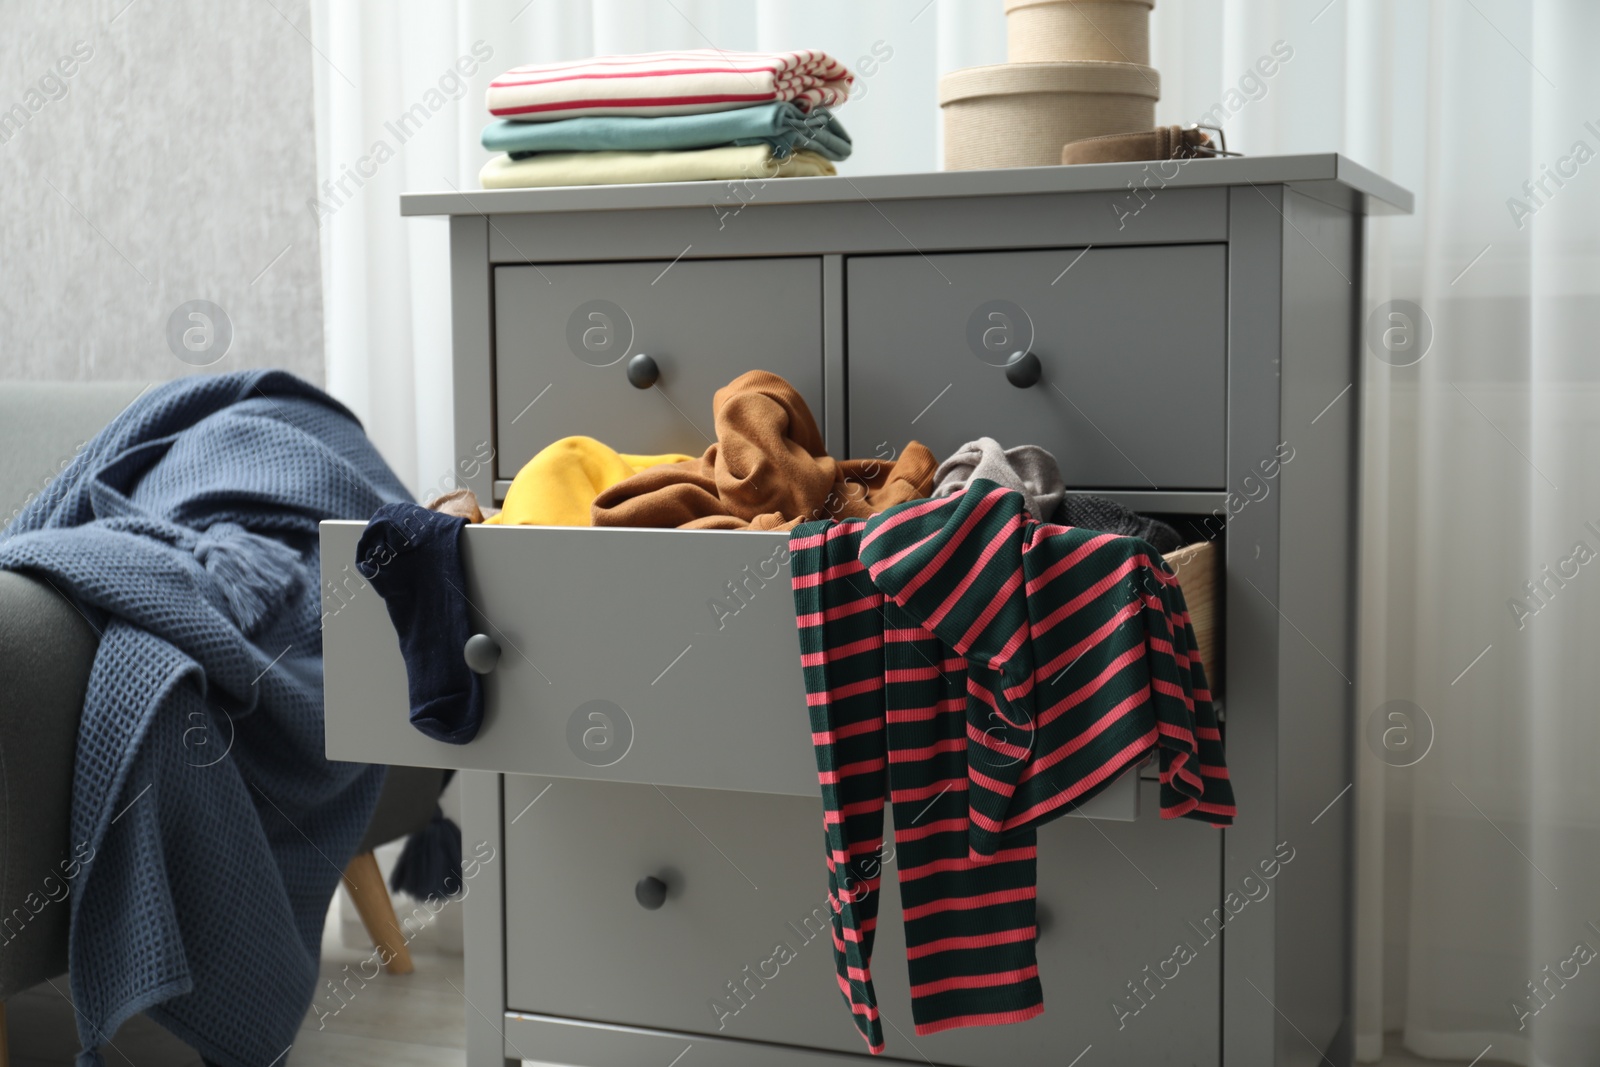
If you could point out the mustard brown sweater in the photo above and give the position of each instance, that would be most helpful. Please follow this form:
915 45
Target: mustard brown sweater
767 471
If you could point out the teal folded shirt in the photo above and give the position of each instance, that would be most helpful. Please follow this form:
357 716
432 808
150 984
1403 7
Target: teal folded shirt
782 125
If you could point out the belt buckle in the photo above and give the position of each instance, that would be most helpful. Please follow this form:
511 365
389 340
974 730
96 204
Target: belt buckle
1219 145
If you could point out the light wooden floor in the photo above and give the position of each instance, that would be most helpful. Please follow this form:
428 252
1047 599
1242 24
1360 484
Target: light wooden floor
416 1020
412 1021
1396 1056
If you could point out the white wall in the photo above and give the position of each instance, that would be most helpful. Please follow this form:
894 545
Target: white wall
172 164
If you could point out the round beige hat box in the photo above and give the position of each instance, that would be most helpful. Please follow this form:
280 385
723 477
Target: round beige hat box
1112 31
1020 114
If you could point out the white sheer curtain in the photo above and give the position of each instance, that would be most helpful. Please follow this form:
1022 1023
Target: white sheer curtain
386 280
1479 865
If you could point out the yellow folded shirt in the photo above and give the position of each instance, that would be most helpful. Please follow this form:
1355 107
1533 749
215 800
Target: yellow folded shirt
556 487
730 162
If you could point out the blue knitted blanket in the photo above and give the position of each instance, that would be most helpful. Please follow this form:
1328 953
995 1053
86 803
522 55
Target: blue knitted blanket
186 533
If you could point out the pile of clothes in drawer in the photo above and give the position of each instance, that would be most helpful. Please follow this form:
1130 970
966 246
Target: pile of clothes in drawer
696 115
982 651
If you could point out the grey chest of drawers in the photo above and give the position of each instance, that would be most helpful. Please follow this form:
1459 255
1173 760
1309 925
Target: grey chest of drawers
1192 339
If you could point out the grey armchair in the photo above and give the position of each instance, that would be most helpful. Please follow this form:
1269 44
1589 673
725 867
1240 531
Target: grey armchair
46 650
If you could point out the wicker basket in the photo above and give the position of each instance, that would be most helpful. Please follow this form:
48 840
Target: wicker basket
1112 31
1020 114
1199 570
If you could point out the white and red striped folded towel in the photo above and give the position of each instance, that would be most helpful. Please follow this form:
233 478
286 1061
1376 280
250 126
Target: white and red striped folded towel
668 83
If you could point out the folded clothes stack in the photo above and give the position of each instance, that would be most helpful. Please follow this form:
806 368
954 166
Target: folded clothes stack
697 115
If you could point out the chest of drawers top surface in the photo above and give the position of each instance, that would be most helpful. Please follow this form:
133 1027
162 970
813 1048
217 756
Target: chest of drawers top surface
1325 175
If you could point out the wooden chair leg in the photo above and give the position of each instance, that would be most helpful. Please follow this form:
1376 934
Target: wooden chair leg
364 881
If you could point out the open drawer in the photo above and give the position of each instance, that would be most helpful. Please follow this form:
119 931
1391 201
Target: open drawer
661 657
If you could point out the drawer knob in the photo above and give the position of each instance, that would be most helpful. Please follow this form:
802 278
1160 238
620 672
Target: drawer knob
1023 369
650 892
642 371
481 653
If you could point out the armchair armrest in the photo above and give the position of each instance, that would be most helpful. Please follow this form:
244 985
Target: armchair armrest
46 650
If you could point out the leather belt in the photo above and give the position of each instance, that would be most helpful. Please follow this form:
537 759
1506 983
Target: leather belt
1163 142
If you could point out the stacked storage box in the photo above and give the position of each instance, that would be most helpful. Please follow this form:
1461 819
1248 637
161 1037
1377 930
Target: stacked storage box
1075 69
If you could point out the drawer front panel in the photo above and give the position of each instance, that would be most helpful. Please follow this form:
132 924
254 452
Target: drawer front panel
564 334
1131 344
650 656
624 657
747 900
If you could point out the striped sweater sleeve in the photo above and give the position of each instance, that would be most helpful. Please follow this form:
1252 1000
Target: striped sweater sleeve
970 922
1119 677
840 620
1104 637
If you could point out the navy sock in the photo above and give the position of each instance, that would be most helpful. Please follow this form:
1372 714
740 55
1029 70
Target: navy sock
412 557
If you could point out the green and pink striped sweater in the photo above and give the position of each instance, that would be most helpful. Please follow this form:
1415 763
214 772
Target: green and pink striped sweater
984 672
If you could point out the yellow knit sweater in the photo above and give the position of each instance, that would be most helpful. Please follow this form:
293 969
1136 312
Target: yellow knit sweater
557 486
